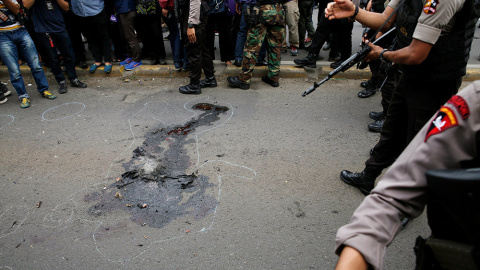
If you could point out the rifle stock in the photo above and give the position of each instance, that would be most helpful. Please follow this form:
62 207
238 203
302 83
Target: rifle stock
345 65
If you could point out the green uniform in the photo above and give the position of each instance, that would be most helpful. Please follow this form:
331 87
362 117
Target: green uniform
271 27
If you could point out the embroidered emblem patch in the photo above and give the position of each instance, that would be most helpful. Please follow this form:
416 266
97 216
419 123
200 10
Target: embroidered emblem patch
461 106
444 119
431 6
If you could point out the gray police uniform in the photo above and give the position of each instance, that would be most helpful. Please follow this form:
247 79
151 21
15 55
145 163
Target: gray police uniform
423 88
450 140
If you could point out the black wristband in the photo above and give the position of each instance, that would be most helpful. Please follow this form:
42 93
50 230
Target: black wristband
355 13
381 55
191 25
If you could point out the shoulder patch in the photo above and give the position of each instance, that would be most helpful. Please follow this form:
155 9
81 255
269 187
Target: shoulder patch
431 6
461 106
444 120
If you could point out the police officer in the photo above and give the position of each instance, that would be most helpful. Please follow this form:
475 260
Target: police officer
449 141
433 45
194 24
267 20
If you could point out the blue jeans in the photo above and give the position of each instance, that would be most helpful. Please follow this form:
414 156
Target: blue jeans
178 50
61 41
242 37
11 42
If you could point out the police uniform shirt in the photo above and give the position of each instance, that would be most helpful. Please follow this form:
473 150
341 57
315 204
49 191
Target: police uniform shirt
437 18
448 141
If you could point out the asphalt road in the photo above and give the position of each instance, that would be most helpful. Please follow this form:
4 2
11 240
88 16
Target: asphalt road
265 193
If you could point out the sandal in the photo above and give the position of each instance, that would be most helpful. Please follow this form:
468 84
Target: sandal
93 68
107 69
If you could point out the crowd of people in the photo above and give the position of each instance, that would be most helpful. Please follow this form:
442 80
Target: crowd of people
124 32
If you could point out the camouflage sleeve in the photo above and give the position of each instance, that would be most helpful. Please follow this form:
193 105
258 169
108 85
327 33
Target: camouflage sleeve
450 138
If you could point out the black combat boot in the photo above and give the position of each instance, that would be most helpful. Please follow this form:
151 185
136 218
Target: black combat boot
364 181
376 115
309 61
191 89
268 80
367 92
235 82
208 82
377 125
366 84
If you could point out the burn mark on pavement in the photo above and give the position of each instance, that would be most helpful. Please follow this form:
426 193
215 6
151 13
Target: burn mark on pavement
156 188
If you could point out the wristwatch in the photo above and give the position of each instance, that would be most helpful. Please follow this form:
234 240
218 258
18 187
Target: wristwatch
381 55
191 25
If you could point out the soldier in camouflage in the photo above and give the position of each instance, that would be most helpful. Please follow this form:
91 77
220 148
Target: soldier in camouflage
267 20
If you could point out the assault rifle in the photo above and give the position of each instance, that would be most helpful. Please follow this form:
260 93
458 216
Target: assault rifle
356 58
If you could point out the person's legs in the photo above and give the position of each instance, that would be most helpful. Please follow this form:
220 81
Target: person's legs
175 43
275 37
51 49
255 38
292 15
126 21
305 10
28 50
227 47
9 55
241 36
62 42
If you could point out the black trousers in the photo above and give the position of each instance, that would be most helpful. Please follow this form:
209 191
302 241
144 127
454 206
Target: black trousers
198 53
95 30
413 103
149 28
222 22
342 28
75 33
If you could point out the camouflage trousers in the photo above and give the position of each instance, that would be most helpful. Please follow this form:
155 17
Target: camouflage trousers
271 28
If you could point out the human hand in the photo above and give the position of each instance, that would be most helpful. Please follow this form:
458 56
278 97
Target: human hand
374 53
191 35
339 9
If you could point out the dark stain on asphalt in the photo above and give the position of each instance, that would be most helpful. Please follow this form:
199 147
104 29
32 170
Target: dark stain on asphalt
155 188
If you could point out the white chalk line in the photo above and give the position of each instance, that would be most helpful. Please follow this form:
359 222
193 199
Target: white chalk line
11 121
68 116
18 225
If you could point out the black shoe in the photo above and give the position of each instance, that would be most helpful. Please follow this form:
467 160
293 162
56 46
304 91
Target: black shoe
367 92
77 83
208 82
376 115
237 63
83 64
366 84
235 82
63 88
309 61
364 181
337 63
377 125
261 63
4 90
190 89
3 98
270 81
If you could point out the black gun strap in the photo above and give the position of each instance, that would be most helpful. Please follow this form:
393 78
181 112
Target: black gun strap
389 17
